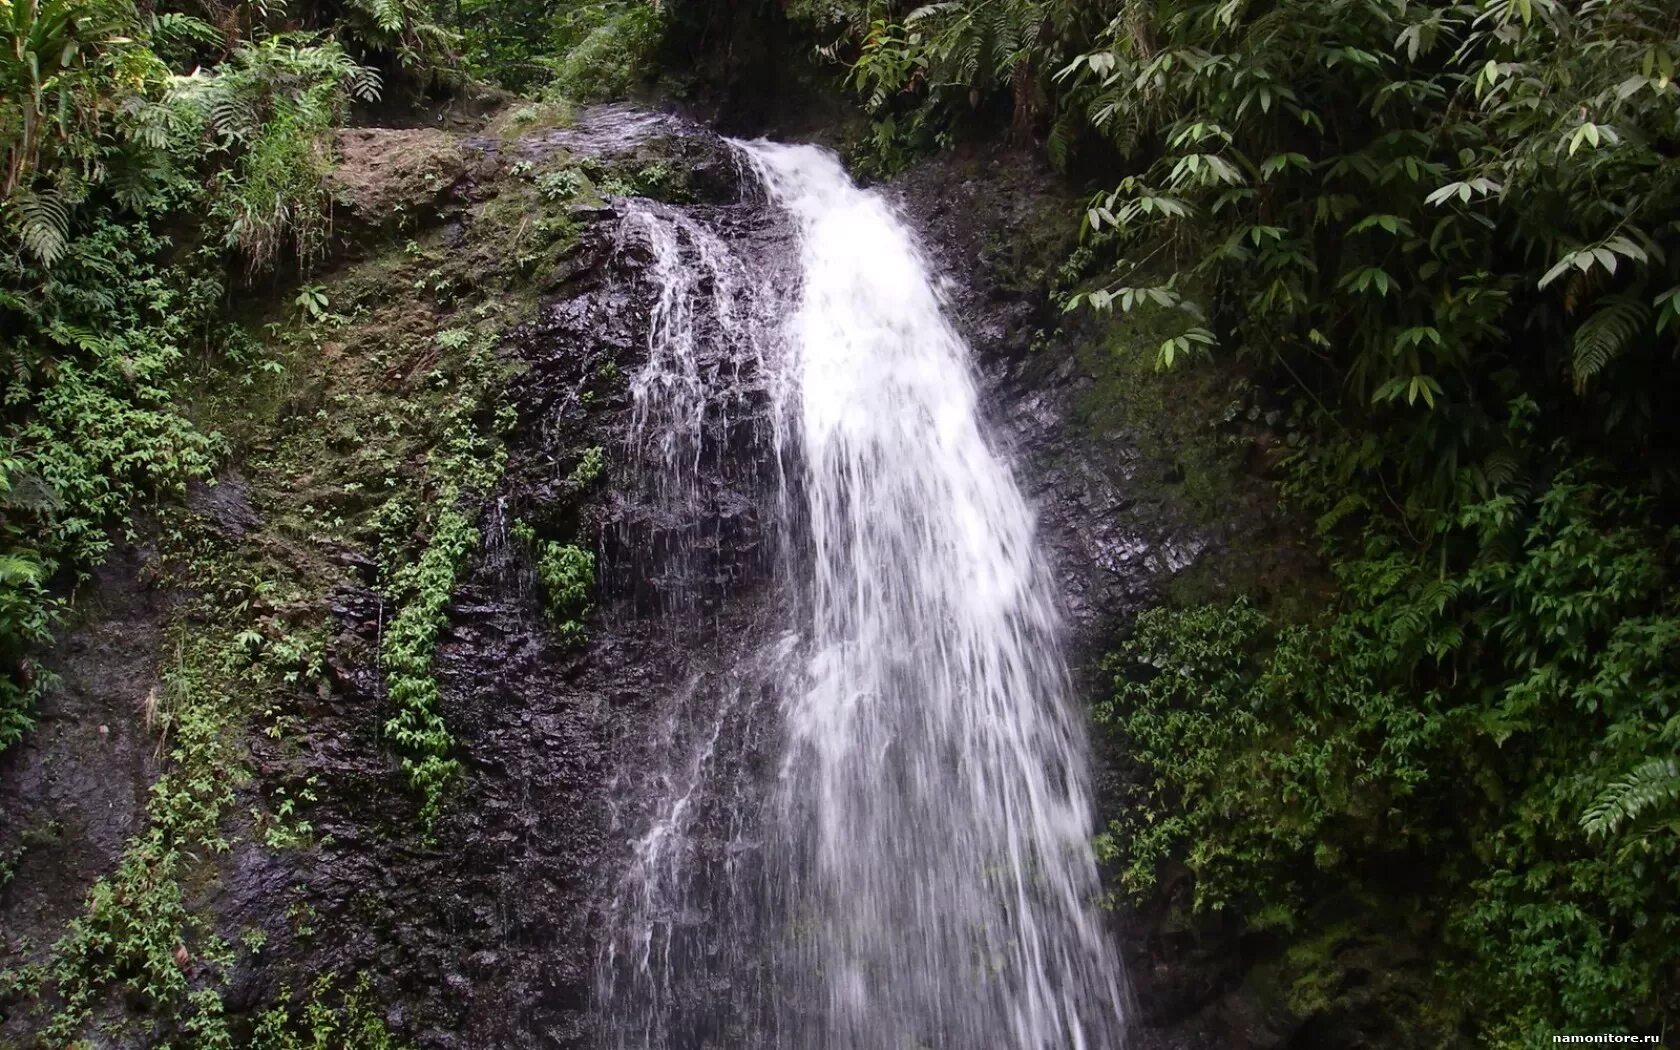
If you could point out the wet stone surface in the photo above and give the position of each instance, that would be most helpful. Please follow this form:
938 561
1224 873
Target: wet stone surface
71 797
489 935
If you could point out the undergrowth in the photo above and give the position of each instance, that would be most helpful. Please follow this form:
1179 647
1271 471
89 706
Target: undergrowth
153 163
138 931
567 573
97 348
1281 756
124 186
1439 239
463 468
577 50
328 1018
407 650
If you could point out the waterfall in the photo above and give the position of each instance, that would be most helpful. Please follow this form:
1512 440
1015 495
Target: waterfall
910 867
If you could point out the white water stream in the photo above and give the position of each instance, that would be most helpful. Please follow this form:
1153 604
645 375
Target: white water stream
921 874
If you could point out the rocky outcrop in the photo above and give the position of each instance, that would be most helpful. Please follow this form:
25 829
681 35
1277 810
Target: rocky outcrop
73 796
485 933
483 936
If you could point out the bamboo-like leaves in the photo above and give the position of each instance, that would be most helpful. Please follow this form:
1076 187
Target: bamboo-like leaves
1604 255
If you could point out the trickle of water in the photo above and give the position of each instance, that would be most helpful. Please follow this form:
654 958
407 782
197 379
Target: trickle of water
693 272
697 402
686 803
917 868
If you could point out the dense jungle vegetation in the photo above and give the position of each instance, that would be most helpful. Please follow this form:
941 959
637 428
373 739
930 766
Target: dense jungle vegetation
164 182
1442 238
156 161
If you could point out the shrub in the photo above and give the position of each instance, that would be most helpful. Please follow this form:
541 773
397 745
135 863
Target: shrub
614 56
272 107
1460 721
567 574
407 649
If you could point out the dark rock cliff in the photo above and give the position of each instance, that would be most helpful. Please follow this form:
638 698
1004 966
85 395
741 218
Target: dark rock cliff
485 935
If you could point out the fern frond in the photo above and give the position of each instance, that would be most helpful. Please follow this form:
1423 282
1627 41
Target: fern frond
363 84
389 15
1651 786
15 302
43 225
1063 133
132 186
931 11
1605 336
21 570
174 27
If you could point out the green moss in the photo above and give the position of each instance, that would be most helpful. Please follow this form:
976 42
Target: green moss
532 229
364 415
347 418
1180 420
530 118
1200 442
135 921
655 179
568 184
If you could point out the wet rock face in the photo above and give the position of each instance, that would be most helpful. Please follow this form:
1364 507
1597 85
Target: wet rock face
70 799
483 936
993 222
488 935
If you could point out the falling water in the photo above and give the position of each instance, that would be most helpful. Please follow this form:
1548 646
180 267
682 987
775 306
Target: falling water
913 867
688 800
691 400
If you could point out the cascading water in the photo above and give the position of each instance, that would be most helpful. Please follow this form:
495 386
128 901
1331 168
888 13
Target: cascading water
690 399
697 415
911 868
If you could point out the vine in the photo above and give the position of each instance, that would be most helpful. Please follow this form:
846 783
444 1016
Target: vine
407 651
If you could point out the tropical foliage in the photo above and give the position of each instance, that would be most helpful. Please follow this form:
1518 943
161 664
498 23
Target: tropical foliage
105 288
1447 236
270 109
1444 238
161 168
581 50
152 158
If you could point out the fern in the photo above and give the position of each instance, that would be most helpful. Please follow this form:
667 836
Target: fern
175 28
1645 792
403 28
134 185
43 225
1605 336
21 569
388 15
273 105
1059 145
